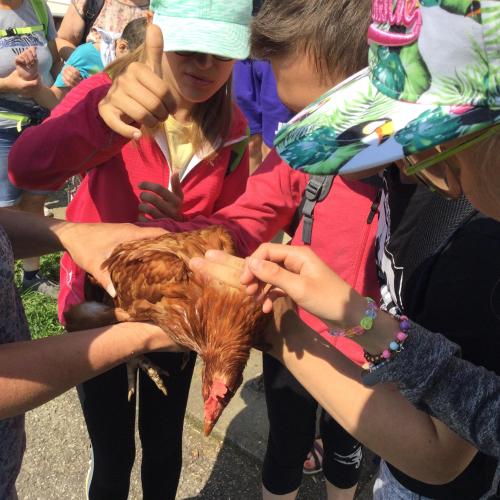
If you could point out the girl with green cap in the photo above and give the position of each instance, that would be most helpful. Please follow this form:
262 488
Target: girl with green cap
173 97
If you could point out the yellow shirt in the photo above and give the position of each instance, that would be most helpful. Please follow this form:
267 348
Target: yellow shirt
179 143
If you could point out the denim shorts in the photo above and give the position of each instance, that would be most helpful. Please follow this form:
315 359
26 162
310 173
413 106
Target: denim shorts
387 487
9 194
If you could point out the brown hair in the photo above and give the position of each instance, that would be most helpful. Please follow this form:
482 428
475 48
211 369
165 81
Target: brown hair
333 32
211 119
134 32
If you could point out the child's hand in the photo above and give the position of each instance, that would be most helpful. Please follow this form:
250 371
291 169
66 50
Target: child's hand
301 274
140 95
27 64
71 77
159 202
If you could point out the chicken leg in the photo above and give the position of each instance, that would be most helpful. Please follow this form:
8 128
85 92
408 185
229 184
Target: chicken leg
153 371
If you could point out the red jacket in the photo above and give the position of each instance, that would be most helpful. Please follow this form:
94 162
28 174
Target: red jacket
75 140
341 235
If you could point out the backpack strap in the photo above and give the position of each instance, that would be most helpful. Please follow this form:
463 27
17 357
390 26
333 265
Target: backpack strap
316 190
91 11
42 14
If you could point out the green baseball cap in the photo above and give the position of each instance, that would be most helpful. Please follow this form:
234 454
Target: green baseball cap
215 27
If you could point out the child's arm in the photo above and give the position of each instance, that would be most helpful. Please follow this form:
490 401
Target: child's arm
73 139
268 204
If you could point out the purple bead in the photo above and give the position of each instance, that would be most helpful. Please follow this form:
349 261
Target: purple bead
404 324
401 336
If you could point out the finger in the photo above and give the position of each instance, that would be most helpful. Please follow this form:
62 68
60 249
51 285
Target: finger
221 257
153 48
175 184
292 257
153 211
114 120
274 274
158 194
104 279
215 271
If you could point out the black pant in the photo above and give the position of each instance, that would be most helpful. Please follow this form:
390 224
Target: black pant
292 428
110 422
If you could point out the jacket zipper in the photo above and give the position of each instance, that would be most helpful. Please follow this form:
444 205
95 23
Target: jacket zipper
366 233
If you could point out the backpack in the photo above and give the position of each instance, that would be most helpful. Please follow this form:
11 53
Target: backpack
91 11
42 14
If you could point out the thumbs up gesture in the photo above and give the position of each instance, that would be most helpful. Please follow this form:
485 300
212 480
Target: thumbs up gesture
139 96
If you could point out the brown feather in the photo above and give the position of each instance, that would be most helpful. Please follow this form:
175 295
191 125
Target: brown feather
154 283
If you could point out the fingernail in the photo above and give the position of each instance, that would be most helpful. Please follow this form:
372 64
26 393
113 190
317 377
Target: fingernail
111 290
136 136
211 253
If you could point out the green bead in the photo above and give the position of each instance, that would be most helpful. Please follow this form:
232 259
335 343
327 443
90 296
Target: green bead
366 323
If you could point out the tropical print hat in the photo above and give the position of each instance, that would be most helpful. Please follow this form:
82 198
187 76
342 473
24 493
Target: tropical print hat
433 76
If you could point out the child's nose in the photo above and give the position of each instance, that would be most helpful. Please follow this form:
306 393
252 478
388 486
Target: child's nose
204 61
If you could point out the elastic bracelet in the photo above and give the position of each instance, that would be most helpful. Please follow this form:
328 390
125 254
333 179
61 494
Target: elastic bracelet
365 324
377 360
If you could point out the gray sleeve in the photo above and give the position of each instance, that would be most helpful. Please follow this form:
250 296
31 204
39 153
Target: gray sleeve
51 31
432 376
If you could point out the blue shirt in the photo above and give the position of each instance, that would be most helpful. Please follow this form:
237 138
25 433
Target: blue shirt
86 59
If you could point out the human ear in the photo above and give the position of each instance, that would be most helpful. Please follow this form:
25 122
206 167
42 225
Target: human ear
452 176
121 47
446 178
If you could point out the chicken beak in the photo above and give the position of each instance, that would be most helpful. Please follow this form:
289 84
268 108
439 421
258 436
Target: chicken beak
215 404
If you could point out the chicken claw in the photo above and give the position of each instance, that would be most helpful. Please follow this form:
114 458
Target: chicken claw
153 371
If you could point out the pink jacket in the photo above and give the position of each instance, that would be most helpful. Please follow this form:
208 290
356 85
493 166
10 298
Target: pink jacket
75 140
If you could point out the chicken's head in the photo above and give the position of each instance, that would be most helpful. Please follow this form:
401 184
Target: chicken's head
217 392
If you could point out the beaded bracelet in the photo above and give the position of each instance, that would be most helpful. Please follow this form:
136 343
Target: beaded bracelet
395 346
365 324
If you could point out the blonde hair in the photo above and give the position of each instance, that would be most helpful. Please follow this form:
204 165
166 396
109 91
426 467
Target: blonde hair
211 119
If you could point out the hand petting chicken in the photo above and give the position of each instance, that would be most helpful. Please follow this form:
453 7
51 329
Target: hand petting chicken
153 282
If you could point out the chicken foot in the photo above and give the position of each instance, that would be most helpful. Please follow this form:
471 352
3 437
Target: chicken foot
153 371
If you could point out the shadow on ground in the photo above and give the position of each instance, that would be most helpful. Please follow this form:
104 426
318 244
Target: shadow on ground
236 474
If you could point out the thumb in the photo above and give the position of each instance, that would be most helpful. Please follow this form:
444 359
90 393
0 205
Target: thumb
175 184
153 48
273 274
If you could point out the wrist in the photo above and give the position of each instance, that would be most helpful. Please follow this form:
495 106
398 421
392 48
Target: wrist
4 84
382 333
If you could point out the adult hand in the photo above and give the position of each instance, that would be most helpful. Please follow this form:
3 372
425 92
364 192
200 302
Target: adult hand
71 77
159 202
140 95
15 83
91 244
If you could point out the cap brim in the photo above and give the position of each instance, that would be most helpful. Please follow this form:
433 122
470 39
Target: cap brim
199 35
354 127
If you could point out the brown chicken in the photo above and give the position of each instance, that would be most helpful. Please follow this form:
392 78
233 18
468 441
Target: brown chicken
154 283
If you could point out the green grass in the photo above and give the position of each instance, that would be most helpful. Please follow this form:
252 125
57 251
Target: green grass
41 310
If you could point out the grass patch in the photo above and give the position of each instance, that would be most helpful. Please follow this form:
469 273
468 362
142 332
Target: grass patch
41 310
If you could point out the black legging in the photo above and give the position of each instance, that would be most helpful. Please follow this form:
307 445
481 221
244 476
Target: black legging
110 422
292 428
